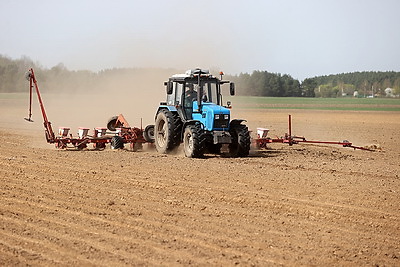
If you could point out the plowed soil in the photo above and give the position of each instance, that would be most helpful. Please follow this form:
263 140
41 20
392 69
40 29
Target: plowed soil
305 204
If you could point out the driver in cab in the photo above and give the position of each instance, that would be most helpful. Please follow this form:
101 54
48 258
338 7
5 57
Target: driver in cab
190 95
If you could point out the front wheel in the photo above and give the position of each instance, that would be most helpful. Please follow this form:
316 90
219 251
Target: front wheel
193 141
240 146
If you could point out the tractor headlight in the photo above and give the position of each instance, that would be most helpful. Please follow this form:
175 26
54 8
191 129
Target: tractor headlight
221 121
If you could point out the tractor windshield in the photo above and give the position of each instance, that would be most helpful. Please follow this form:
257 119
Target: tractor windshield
207 88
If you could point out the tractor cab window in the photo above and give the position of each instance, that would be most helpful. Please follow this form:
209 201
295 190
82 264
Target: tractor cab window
175 98
178 94
210 93
206 92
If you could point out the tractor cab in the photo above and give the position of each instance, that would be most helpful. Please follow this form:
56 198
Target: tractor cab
197 95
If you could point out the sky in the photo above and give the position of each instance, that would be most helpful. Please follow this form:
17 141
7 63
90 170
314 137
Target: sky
302 38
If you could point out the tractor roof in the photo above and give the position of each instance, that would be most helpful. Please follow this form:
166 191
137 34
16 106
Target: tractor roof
192 74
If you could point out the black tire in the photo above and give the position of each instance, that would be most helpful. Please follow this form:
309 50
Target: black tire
166 135
148 134
240 146
177 129
99 146
112 123
193 141
117 142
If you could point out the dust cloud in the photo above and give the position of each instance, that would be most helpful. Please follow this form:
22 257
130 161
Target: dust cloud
135 93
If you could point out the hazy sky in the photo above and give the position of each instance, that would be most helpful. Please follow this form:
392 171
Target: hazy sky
303 38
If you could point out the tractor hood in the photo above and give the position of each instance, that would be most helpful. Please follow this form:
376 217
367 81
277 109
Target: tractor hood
212 116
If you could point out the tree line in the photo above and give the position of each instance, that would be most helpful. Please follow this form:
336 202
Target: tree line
13 73
60 79
258 83
365 83
263 83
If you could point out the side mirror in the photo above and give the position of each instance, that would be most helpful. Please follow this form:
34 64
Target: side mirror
169 86
232 88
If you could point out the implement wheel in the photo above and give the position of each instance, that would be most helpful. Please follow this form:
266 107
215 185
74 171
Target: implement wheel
99 146
112 123
117 142
148 133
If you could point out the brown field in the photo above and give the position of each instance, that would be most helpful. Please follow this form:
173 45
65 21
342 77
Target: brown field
301 205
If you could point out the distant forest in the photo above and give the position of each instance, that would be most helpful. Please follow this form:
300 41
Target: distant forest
361 84
367 83
13 72
258 83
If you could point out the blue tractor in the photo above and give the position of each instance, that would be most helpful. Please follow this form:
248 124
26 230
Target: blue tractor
193 114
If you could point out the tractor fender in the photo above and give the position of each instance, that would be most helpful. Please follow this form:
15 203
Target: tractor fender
236 122
165 107
190 122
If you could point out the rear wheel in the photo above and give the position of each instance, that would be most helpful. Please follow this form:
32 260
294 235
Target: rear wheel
240 146
117 142
193 141
166 131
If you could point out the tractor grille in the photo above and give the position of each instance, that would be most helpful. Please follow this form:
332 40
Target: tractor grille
221 121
